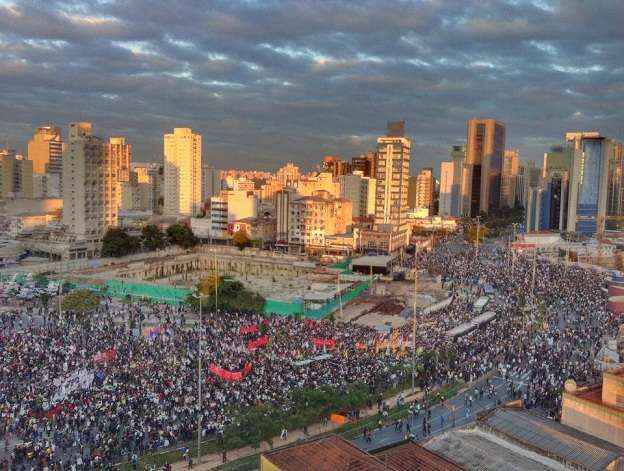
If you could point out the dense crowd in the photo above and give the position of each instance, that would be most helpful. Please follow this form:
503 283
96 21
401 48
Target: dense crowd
137 390
544 332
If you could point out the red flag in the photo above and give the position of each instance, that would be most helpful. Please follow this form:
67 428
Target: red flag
328 343
105 356
249 329
228 375
259 342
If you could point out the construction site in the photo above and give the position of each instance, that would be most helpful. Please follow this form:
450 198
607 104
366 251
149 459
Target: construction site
291 285
391 303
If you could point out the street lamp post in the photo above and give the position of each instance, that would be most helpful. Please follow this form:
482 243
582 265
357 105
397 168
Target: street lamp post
216 281
478 227
199 377
414 324
339 295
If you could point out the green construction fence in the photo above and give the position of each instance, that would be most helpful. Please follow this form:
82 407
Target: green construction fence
283 308
157 293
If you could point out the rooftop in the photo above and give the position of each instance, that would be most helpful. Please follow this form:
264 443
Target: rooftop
336 454
325 454
476 449
372 260
549 438
411 456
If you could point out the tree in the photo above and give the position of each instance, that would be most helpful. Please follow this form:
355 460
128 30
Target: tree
182 236
241 239
472 233
206 286
118 243
45 299
232 294
81 301
153 237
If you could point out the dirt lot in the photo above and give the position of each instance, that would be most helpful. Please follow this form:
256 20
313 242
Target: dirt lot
388 299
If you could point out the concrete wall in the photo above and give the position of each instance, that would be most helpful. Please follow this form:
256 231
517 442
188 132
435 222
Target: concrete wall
594 419
612 390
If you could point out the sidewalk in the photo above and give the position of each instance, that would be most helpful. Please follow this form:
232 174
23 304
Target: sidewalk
214 460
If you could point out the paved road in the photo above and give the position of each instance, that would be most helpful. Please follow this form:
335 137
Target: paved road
452 413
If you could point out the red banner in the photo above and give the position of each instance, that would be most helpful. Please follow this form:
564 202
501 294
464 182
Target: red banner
228 375
328 343
105 356
249 329
57 409
259 342
360 346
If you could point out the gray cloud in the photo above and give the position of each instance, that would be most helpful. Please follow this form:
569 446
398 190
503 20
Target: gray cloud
268 81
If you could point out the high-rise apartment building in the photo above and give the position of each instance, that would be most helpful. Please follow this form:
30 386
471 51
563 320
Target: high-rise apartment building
364 163
137 194
445 201
91 186
509 176
312 218
360 190
183 173
211 182
558 160
45 149
458 156
556 178
421 191
481 175
148 192
121 154
390 231
283 198
412 188
595 182
335 165
392 166
16 175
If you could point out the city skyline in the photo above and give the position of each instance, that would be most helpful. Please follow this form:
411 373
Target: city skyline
239 76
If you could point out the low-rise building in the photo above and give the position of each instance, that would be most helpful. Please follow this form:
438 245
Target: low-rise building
16 175
510 438
23 215
314 217
260 228
335 453
597 410
435 223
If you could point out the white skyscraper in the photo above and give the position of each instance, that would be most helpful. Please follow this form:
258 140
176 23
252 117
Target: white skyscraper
393 157
183 173
91 189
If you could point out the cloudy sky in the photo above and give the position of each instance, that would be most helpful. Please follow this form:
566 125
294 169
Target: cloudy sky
268 81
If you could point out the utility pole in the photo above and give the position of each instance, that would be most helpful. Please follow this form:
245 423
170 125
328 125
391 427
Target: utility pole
339 294
478 228
216 281
60 296
534 270
199 377
414 325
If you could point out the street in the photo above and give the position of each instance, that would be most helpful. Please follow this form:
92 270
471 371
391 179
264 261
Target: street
444 416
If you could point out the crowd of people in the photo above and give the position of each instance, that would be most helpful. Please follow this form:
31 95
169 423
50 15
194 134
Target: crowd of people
78 394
